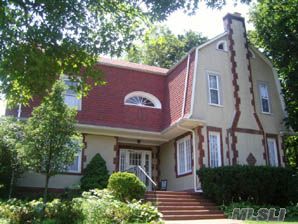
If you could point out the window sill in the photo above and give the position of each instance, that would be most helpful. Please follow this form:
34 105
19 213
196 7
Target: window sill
266 113
216 105
141 106
183 174
79 173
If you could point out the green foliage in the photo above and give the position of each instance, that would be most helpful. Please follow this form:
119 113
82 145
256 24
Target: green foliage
51 137
259 184
126 186
101 206
162 48
276 25
96 174
17 211
291 151
11 155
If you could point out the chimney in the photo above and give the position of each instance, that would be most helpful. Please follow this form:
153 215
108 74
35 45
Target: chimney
245 110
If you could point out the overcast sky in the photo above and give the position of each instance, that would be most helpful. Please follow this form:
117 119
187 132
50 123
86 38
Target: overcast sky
208 22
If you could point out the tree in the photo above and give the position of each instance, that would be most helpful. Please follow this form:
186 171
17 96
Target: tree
276 25
96 174
11 155
51 138
40 40
162 48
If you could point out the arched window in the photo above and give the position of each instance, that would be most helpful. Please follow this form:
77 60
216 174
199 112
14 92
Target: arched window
142 99
222 45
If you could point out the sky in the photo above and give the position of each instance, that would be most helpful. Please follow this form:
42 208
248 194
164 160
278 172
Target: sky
207 21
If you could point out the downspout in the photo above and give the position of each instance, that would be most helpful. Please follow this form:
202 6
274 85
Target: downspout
194 156
185 86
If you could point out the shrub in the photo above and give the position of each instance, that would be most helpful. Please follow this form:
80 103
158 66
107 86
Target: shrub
126 186
101 206
96 174
257 184
18 211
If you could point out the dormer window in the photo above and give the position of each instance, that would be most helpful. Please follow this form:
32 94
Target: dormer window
142 99
222 45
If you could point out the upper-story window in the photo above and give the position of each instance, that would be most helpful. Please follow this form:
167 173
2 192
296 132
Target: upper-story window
71 98
264 97
214 89
142 99
222 45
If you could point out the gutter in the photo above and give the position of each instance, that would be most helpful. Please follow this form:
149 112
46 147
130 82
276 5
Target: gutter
185 86
194 156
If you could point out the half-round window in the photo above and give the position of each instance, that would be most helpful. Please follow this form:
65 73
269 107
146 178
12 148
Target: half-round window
222 45
142 99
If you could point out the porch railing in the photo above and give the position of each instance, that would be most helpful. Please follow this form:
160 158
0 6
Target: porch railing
143 176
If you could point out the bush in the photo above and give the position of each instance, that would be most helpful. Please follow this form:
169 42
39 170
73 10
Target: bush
18 211
96 174
101 206
257 184
126 186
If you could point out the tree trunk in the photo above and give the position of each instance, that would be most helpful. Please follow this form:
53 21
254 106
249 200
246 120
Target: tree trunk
11 183
45 193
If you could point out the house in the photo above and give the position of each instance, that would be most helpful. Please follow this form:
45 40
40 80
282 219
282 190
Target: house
220 105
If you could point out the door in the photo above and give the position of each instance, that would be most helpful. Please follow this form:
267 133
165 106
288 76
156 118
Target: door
130 159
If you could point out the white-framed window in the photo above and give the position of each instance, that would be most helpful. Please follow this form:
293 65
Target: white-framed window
184 160
272 151
75 167
214 89
214 149
71 98
222 45
142 99
264 97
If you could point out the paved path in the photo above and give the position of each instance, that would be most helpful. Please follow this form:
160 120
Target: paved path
208 221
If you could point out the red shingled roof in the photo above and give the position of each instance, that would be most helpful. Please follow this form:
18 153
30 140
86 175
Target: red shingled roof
134 66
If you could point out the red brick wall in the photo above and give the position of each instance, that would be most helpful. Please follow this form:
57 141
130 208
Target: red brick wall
104 105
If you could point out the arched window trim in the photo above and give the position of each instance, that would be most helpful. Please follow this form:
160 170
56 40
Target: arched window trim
149 96
224 45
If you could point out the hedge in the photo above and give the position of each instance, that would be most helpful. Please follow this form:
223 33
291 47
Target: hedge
257 184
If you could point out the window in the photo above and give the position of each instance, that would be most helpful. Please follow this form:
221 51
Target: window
70 98
272 151
214 92
222 45
184 160
214 149
264 97
142 99
75 167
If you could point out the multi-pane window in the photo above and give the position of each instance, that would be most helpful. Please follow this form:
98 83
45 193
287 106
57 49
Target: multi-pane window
272 151
184 160
139 101
214 149
214 89
75 167
264 97
135 158
70 98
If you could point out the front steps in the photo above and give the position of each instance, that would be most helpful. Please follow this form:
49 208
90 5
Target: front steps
183 205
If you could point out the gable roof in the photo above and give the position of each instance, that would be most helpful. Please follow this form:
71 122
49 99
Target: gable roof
134 66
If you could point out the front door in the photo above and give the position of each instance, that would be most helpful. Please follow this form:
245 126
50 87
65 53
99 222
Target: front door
130 158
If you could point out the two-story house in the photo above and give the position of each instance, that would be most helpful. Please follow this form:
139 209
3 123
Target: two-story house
220 105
